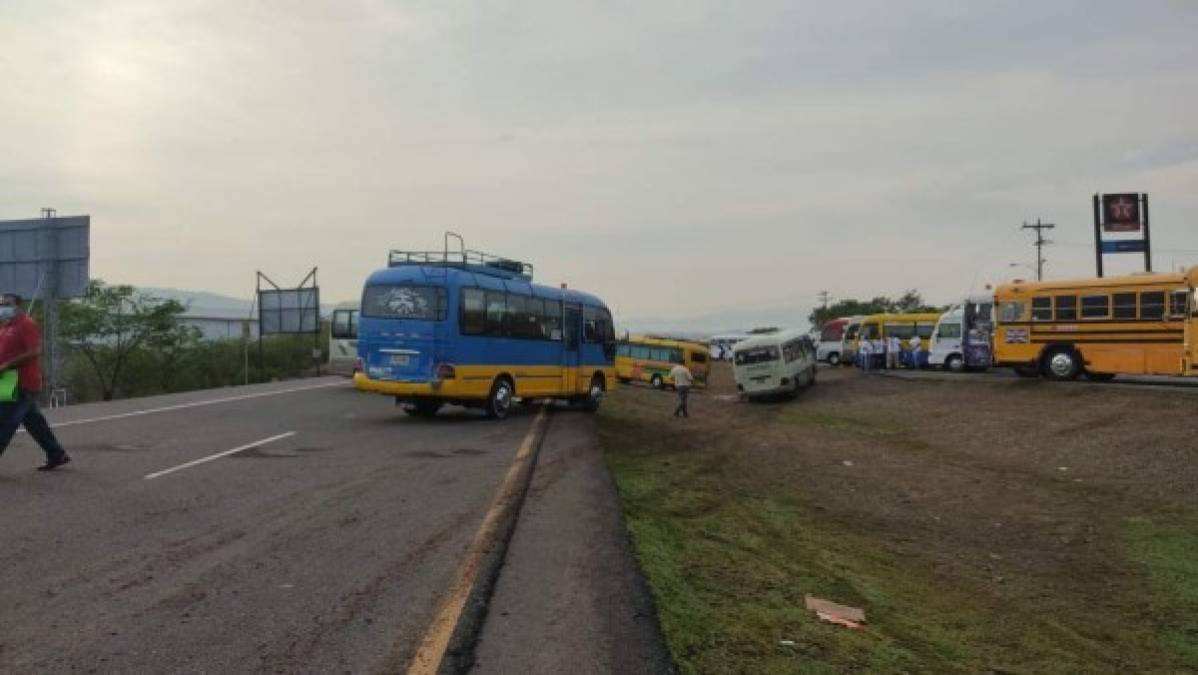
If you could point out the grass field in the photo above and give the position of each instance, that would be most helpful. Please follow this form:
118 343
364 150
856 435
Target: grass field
982 526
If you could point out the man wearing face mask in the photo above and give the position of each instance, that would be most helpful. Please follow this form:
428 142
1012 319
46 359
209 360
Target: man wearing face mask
21 349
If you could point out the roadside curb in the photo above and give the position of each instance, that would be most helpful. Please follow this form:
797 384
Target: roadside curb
459 655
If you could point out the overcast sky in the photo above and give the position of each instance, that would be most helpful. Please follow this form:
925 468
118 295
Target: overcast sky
676 158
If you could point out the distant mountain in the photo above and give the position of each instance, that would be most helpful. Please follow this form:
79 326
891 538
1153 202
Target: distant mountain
731 321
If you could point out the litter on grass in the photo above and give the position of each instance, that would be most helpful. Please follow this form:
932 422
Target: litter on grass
832 612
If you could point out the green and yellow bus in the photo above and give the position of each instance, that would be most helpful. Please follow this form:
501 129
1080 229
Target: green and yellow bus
649 359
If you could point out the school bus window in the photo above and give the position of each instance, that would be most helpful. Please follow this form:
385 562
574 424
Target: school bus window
1096 306
869 332
474 314
623 350
1177 304
902 331
1041 309
1012 311
1152 305
925 330
698 357
536 319
1066 306
552 328
1125 305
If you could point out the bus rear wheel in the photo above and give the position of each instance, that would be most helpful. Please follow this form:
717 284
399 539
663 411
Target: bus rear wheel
1061 364
499 402
657 382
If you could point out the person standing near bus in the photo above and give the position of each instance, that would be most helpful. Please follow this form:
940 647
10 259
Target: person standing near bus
683 380
894 348
865 350
915 344
21 348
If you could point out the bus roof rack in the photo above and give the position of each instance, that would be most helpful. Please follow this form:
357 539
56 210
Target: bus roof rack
462 259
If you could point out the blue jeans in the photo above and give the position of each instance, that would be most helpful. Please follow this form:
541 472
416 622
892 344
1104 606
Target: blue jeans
25 411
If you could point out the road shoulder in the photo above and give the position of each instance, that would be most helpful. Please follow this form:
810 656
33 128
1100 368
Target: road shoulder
570 596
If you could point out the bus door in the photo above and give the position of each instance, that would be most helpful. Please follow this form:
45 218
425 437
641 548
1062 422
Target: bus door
977 330
571 339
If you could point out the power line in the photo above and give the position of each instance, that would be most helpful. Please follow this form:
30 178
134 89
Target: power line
1041 242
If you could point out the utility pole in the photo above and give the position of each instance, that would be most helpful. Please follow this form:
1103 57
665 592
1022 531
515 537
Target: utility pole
824 296
1041 242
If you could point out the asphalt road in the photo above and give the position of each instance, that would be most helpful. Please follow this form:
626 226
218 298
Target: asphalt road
323 550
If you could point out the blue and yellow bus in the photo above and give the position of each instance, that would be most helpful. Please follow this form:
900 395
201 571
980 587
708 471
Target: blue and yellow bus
471 329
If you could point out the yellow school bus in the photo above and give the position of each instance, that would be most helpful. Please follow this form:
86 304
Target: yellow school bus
1142 324
649 359
901 326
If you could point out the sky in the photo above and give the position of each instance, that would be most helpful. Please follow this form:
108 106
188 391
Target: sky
693 163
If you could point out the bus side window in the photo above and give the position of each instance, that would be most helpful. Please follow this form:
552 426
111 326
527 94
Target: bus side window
474 311
676 356
1125 305
1066 308
551 326
535 328
1152 305
1096 306
1012 311
1042 309
1177 304
517 315
495 319
925 330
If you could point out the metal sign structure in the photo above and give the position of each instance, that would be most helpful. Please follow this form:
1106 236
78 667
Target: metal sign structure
1121 212
287 311
45 260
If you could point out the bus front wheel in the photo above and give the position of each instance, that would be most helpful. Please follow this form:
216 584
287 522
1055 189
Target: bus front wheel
499 402
1062 364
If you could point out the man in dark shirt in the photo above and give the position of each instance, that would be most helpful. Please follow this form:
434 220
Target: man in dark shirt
21 348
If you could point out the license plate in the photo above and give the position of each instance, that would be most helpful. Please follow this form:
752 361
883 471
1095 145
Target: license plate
399 359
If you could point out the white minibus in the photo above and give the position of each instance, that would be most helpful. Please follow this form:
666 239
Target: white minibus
779 363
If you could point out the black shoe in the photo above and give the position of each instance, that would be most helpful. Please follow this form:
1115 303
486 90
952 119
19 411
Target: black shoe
53 464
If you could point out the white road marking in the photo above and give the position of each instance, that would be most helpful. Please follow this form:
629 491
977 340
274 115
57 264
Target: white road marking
194 404
218 455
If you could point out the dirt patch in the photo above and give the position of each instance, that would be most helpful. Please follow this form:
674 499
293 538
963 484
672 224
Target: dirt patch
983 526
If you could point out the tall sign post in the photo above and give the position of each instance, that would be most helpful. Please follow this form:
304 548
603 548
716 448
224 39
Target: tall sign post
46 260
288 311
1121 213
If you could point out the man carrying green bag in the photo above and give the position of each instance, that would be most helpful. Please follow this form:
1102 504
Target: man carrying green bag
20 352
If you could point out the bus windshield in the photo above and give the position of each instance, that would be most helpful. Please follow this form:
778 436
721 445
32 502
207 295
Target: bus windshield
404 301
757 355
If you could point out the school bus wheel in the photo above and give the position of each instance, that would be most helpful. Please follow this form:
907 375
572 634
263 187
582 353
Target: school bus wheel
657 382
1061 363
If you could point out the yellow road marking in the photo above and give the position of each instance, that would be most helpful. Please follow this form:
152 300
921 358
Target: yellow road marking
436 640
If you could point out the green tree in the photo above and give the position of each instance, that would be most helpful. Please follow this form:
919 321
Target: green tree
112 324
909 302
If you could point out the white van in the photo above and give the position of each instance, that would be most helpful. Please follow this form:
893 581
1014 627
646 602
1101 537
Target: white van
779 363
945 351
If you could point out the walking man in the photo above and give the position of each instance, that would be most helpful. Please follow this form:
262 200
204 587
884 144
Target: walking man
682 384
21 349
894 350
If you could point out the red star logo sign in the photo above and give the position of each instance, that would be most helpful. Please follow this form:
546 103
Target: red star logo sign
1122 209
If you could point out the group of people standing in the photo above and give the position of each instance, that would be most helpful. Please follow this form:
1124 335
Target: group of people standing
888 353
